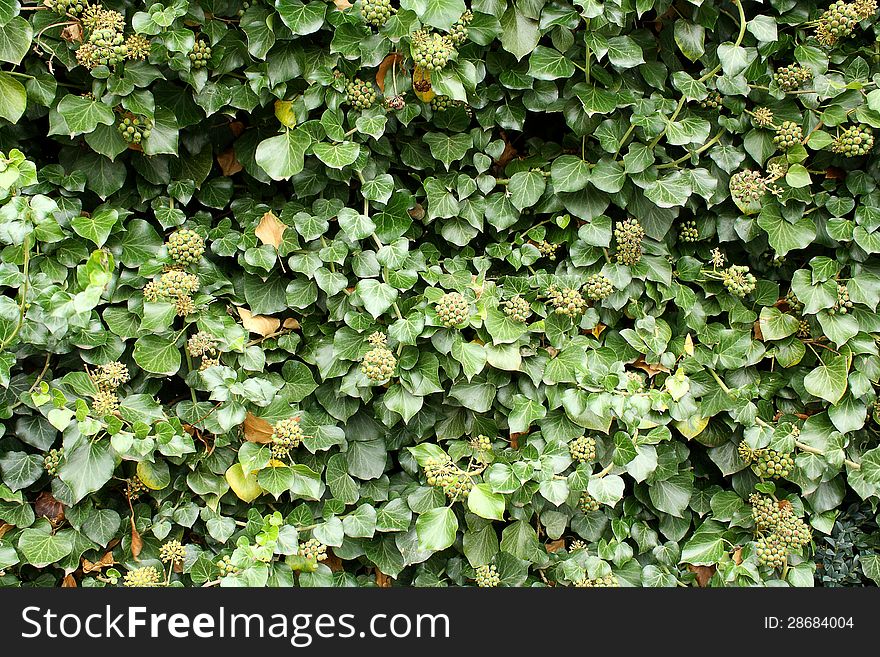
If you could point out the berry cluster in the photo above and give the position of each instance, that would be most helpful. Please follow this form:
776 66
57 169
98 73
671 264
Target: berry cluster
487 576
377 12
176 286
788 135
360 94
134 488
226 567
379 362
566 301
200 54
547 249
781 530
738 281
688 231
459 31
854 141
286 435
172 552
629 235
52 460
789 78
843 305
443 473
766 463
105 45
185 247
607 581
748 186
517 308
712 101
72 7
481 443
431 50
146 577
313 550
587 503
840 20
134 129
138 46
452 309
598 287
583 449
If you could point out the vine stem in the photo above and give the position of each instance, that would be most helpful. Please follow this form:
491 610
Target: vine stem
690 154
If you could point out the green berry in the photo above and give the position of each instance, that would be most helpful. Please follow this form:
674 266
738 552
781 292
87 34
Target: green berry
360 94
788 135
517 308
629 235
452 309
185 246
286 435
583 449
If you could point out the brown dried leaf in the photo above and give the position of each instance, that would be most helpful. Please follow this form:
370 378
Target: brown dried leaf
4 527
137 543
291 324
333 562
737 555
555 546
417 212
342 5
73 33
514 439
228 162
507 154
47 506
383 581
270 230
260 324
703 574
256 429
104 562
652 370
597 330
759 335
68 582
386 64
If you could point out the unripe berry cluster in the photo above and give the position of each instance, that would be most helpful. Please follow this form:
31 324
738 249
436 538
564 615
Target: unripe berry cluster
566 301
837 22
487 576
629 235
843 304
789 78
134 488
748 186
286 435
481 443
598 287
444 474
587 503
377 12
738 281
688 231
185 246
313 550
200 54
583 449
517 308
548 249
360 94
854 141
431 50
459 32
226 567
712 101
452 309
788 135
52 460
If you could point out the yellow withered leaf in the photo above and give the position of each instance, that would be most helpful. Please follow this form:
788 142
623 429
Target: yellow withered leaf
284 113
260 324
244 486
422 78
270 230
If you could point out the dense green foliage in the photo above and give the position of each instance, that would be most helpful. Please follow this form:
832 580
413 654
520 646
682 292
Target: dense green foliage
520 293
